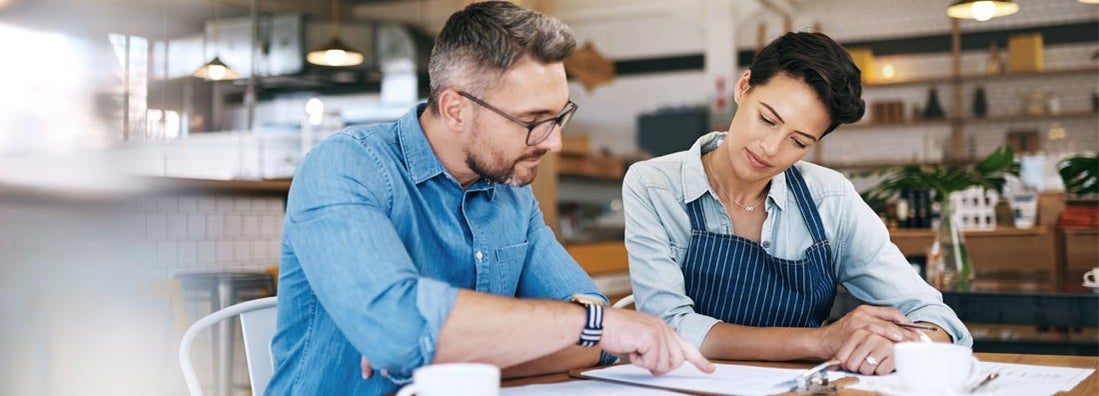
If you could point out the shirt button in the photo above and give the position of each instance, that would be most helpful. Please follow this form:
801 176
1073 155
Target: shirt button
479 255
766 244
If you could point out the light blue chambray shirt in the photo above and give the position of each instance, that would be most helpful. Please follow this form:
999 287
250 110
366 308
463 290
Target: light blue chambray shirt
658 231
377 241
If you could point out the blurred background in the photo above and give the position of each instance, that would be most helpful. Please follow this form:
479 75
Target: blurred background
146 148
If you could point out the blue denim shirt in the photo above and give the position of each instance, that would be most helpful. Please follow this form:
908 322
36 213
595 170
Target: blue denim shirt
658 231
377 241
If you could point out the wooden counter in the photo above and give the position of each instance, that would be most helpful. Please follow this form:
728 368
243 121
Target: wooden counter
600 257
1004 258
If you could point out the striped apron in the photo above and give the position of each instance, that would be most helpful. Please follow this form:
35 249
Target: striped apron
734 280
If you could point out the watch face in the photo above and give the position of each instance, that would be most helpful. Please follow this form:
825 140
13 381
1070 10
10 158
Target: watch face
586 299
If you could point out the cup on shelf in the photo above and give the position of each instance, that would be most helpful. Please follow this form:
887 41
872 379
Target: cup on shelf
1025 206
1090 277
454 379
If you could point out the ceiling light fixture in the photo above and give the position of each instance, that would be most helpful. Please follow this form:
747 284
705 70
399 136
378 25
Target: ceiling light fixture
215 69
1089 1
981 10
336 53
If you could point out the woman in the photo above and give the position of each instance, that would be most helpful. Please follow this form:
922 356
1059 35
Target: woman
739 246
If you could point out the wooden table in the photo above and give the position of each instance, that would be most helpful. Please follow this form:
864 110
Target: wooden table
1088 387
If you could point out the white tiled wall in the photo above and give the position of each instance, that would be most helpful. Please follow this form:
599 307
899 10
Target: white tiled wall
191 233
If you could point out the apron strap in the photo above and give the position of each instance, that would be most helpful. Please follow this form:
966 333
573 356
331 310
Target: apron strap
809 211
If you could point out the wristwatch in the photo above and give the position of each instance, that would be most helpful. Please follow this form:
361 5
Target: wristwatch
593 326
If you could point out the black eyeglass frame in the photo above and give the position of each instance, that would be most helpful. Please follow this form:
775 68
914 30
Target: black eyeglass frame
562 118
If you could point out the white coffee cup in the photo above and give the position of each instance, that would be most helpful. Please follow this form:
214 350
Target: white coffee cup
454 379
1089 277
935 368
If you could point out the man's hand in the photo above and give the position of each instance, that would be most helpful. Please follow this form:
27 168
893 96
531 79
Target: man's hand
649 342
367 370
863 339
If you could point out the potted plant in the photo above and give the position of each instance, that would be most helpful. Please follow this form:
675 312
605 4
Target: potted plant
956 272
1081 177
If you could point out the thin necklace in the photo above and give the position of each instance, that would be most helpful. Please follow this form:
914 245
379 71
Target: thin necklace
747 208
722 193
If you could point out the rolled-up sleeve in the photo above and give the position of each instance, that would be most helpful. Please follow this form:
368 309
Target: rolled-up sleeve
874 270
656 277
355 262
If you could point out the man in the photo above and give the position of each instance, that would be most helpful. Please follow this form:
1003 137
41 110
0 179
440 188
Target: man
407 243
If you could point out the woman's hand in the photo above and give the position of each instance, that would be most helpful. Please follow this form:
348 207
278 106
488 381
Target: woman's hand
863 339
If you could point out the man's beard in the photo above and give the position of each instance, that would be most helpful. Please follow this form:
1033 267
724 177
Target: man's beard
504 174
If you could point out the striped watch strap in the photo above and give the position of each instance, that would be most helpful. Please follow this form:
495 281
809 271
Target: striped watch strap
593 327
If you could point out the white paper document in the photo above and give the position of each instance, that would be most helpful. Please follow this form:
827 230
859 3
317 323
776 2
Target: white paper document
584 387
727 379
1014 379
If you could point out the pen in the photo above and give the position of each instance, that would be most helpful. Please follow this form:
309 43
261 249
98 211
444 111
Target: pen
916 326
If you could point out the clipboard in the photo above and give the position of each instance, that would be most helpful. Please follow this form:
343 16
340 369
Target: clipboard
791 389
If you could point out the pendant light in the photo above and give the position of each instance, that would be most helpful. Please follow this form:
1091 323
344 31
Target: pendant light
981 10
215 69
335 53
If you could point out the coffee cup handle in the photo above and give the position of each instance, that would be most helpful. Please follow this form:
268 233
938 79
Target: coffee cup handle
974 372
408 390
1089 277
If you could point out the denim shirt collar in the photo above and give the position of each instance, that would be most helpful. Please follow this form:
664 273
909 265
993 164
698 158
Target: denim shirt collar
419 159
695 184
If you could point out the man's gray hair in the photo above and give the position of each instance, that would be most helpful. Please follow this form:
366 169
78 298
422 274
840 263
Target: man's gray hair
482 41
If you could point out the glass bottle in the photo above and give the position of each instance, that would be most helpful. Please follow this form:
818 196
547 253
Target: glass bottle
980 103
956 269
933 110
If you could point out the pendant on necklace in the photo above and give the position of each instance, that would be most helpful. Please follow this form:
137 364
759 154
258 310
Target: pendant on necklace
749 208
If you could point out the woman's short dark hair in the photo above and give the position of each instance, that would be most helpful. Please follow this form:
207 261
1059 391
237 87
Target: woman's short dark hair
483 40
823 64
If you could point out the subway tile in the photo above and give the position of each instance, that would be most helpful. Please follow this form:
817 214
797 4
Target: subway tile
232 226
196 225
215 226
242 251
270 225
167 254
225 253
188 253
167 204
156 226
207 252
242 204
177 226
224 204
207 204
188 203
250 226
261 252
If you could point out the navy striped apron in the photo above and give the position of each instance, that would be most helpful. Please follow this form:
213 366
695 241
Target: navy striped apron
733 279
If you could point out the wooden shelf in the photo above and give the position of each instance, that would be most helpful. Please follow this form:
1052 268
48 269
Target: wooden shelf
600 257
981 77
973 120
246 187
882 164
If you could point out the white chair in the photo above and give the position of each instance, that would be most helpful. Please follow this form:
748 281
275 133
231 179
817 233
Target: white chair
624 302
257 323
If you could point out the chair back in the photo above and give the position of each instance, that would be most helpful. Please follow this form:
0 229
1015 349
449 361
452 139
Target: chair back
258 319
258 329
624 302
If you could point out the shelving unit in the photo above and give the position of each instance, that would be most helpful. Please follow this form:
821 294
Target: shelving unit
955 134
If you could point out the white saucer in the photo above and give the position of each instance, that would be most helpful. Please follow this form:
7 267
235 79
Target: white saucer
1093 286
891 385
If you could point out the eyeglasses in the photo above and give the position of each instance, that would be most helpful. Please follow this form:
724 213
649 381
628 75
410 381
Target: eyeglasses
537 131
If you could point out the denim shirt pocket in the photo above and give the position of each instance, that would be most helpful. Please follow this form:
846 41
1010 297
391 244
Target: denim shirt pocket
508 267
